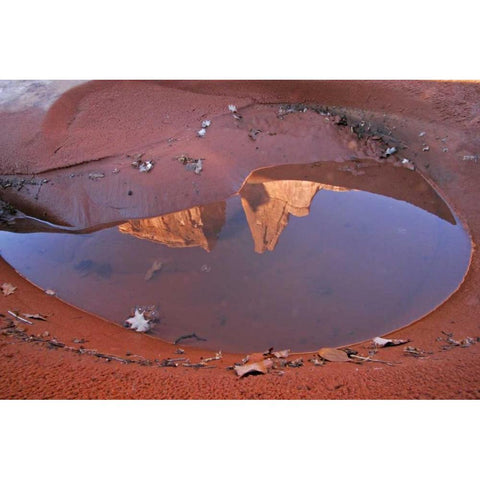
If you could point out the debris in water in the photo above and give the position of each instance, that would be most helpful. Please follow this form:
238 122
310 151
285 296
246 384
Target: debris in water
190 335
7 288
205 268
194 164
138 322
156 267
388 342
253 368
95 176
142 319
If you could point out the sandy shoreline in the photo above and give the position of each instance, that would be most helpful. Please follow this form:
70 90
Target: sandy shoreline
78 128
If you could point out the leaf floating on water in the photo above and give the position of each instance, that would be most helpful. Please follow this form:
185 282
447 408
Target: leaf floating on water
138 322
257 367
156 267
388 342
333 355
8 289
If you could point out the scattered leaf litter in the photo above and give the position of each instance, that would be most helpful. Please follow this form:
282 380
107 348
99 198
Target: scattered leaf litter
388 342
192 164
333 355
250 368
253 133
8 288
390 151
35 316
234 111
96 175
143 166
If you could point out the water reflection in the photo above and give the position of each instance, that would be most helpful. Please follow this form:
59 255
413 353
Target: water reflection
343 260
194 227
268 198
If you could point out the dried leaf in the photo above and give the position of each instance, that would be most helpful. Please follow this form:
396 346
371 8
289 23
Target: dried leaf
156 267
50 292
35 316
333 355
8 288
388 342
254 357
257 367
281 354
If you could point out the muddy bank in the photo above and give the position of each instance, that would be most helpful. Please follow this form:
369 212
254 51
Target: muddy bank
108 121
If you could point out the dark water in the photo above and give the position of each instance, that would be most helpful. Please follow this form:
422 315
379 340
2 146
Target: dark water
287 263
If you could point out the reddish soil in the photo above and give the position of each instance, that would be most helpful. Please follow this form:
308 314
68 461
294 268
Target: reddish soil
98 123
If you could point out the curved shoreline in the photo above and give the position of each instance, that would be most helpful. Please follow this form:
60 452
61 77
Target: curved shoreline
34 371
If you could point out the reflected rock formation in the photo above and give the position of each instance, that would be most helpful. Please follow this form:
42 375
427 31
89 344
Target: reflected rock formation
195 227
271 195
268 206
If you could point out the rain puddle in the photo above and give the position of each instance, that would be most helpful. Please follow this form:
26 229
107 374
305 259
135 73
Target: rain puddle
300 258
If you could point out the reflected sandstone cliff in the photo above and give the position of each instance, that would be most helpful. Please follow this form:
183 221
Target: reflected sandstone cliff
268 206
195 227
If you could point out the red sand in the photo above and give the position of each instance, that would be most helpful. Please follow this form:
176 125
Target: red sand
107 119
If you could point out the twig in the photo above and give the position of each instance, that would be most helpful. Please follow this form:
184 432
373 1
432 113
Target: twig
20 318
191 335
368 359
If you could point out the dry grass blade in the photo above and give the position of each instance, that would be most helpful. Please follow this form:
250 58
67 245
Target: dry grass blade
18 317
257 367
333 355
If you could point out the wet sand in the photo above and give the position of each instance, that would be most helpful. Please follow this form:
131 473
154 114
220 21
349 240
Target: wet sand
104 121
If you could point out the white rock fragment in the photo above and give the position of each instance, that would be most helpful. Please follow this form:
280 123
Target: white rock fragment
232 108
50 292
202 132
206 123
138 322
422 134
426 148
